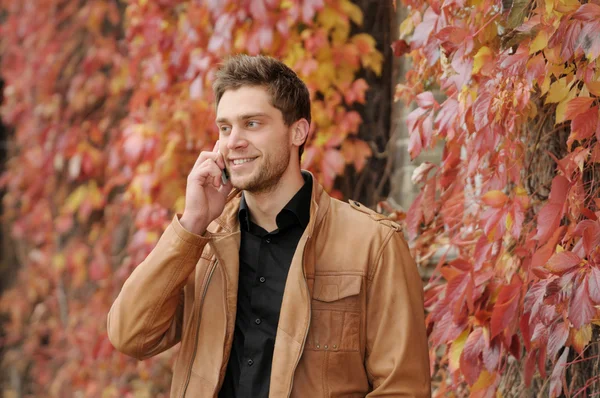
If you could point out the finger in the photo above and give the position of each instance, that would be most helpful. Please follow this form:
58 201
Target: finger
216 148
205 155
206 172
220 160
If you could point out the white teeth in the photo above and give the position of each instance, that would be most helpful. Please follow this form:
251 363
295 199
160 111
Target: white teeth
240 161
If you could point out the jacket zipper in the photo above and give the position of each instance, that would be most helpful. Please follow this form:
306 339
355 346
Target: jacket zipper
309 318
189 375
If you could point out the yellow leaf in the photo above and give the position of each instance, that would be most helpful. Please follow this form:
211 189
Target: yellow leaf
353 11
549 6
483 56
558 91
540 42
456 350
509 221
485 380
545 85
75 198
567 6
406 27
561 109
58 262
580 338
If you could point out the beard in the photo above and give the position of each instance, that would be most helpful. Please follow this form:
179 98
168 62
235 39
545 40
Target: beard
266 178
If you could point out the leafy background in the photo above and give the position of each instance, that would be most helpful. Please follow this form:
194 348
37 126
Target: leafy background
109 103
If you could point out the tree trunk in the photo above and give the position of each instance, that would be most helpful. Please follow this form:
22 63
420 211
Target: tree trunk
372 184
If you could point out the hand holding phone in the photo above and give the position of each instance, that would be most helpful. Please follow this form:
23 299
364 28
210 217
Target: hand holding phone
207 189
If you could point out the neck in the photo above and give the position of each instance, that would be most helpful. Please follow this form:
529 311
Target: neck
265 206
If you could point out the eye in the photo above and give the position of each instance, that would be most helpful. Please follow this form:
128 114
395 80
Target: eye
253 124
224 128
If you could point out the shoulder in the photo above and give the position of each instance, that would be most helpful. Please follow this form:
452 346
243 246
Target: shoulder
357 212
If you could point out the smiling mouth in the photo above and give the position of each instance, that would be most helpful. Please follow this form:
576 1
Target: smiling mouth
242 161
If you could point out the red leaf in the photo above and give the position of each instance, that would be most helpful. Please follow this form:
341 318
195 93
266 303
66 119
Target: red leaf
536 69
594 284
470 363
588 12
491 355
584 125
581 309
530 366
564 261
400 47
548 220
534 297
557 374
559 332
414 216
590 235
506 306
577 106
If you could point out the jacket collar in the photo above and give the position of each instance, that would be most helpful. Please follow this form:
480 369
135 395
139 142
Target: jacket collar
229 222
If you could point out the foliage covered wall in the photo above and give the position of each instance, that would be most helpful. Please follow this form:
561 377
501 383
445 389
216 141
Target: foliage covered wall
516 198
110 102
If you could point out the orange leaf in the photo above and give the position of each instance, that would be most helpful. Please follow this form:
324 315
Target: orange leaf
495 199
576 106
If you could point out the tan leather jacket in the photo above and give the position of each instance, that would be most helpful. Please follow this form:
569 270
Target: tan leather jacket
351 323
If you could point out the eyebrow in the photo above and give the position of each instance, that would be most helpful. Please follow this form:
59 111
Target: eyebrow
245 116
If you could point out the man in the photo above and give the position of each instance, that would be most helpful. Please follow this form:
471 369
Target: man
274 289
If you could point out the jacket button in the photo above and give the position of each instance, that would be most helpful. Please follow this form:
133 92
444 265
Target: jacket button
318 346
257 321
250 362
262 279
326 346
334 346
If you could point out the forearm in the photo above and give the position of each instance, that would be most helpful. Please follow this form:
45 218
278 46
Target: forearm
146 316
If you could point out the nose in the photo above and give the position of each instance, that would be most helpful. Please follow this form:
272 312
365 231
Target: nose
236 138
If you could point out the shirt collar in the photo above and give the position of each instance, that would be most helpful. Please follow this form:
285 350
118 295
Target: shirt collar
299 206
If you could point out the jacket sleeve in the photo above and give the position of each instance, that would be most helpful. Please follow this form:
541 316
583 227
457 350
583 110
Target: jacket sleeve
397 356
146 317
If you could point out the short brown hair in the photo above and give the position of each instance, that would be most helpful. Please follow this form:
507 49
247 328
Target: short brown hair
288 92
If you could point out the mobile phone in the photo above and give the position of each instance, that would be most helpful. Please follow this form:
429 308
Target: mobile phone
224 176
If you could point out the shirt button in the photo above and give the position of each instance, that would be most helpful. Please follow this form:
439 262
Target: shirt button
257 321
268 240
250 362
262 279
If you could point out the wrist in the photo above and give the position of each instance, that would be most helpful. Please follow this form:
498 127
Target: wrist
193 224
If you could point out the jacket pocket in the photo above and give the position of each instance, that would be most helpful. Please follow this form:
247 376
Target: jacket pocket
336 313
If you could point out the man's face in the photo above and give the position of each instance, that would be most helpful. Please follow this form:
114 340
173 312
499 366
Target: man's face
253 138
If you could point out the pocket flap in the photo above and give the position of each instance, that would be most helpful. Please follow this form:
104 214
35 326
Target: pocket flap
336 287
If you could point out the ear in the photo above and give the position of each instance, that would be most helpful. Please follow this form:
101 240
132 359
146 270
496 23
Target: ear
300 131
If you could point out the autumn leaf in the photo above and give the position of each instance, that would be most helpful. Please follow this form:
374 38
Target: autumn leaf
594 284
559 332
558 90
496 199
584 125
505 308
580 338
562 262
557 374
470 363
456 350
577 106
581 309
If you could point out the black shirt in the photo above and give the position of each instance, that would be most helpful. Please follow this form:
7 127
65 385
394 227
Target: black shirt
265 259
